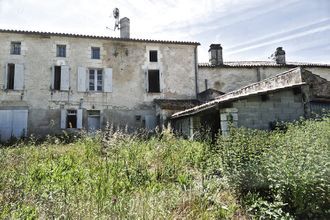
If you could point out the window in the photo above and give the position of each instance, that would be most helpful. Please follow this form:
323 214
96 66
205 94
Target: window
95 53
61 50
57 77
14 79
153 56
71 120
10 76
61 78
95 80
15 48
153 81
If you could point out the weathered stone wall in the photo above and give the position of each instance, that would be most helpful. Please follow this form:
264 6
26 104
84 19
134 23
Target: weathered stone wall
129 61
226 79
284 105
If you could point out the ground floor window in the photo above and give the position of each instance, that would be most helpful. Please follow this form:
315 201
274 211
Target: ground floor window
71 118
71 121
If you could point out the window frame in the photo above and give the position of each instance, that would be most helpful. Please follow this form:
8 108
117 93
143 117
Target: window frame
57 78
15 47
98 54
96 72
153 56
10 76
59 50
153 89
69 113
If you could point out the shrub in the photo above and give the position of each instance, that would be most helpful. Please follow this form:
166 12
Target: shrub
287 168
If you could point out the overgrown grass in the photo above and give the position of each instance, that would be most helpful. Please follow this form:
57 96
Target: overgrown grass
112 176
280 174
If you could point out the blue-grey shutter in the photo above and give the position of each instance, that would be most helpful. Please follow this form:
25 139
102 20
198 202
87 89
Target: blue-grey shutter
82 79
107 84
63 118
79 118
19 77
65 78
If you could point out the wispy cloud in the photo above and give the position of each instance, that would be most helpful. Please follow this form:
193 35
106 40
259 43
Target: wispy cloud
244 27
282 39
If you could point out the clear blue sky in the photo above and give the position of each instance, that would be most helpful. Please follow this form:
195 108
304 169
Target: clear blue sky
247 29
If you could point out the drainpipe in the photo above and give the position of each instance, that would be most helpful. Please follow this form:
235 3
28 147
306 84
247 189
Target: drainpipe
196 71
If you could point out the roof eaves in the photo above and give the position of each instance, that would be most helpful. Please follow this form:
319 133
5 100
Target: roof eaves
97 37
211 104
236 64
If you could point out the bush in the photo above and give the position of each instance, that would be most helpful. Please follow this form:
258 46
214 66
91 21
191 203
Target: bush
289 167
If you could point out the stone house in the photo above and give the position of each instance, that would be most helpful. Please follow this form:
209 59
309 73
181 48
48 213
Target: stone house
54 81
285 97
228 76
50 82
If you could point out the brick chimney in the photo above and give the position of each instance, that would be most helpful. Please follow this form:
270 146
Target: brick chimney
215 54
279 56
124 27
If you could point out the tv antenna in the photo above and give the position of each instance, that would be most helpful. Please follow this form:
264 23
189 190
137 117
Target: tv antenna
115 13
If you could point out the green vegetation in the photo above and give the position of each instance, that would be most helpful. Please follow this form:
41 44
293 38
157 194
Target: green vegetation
249 174
112 175
281 174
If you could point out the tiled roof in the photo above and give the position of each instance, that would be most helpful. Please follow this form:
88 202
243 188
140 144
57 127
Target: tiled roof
176 104
262 64
290 78
96 37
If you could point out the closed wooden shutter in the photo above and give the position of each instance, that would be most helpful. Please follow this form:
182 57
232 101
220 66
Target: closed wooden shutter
79 118
65 78
107 84
63 118
19 77
82 79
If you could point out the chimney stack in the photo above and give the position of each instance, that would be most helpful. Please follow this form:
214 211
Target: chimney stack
124 27
279 56
215 54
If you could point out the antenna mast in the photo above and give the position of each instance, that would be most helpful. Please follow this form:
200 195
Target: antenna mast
116 16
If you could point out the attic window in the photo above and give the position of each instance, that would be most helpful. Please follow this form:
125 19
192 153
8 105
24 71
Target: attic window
95 53
153 56
61 50
15 48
